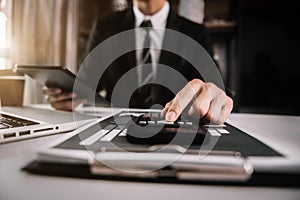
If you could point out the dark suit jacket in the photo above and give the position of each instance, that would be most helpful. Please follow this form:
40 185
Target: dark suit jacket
122 21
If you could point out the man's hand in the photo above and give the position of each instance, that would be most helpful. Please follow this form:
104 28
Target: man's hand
60 100
205 100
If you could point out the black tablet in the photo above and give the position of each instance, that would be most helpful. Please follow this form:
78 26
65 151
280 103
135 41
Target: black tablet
51 76
60 77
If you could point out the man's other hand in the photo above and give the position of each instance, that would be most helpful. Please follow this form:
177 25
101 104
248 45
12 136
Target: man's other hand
61 100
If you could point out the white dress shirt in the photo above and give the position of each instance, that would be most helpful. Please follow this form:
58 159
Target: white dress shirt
159 21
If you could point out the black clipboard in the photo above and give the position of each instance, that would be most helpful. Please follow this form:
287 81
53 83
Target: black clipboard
82 171
92 169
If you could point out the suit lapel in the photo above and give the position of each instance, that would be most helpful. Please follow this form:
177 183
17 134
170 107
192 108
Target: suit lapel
128 24
174 24
167 58
128 60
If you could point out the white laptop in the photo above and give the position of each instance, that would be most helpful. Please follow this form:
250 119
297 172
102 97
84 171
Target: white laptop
18 123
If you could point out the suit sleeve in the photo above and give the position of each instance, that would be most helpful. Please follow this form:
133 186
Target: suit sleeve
207 44
204 39
96 36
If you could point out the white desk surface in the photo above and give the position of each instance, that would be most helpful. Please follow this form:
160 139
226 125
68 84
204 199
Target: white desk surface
15 184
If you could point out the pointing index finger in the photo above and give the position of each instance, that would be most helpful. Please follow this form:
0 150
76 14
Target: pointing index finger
183 98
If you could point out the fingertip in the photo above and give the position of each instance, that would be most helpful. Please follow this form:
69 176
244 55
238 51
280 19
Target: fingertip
44 90
73 95
171 116
57 90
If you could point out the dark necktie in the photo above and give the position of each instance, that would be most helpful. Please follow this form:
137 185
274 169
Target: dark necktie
146 55
142 98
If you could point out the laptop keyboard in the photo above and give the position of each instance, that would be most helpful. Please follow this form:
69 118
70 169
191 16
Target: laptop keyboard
7 121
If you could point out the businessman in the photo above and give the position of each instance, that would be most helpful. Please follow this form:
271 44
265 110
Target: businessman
199 98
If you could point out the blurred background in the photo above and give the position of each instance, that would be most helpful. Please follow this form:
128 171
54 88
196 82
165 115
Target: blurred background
256 43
